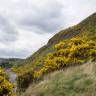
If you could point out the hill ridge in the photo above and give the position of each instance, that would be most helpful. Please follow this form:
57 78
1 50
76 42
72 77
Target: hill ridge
89 19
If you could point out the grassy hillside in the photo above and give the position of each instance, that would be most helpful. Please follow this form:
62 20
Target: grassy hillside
86 27
72 46
73 81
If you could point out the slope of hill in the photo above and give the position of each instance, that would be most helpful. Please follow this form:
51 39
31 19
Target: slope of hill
73 81
87 26
79 51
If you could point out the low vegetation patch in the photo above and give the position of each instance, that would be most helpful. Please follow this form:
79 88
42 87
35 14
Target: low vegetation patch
74 81
6 88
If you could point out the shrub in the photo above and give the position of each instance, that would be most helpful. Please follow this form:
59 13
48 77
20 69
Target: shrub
24 80
5 86
69 52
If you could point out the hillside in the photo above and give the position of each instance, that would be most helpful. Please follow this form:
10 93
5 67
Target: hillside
86 27
72 46
73 81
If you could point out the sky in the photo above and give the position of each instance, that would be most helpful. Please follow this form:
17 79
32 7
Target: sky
26 25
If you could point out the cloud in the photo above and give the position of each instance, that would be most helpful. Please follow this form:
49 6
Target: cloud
25 45
7 31
26 25
45 16
76 10
13 53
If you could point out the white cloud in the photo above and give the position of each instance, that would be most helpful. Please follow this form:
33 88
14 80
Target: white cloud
31 41
27 43
26 25
76 10
7 31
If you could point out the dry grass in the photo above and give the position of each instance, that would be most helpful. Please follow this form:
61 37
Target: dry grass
73 81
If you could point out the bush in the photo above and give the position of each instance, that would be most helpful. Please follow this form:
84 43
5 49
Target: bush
5 86
24 80
69 52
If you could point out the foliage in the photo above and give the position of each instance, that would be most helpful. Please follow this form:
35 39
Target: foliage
85 28
71 47
9 62
24 80
69 52
5 86
74 81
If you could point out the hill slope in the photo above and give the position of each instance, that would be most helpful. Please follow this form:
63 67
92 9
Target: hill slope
73 81
73 46
86 27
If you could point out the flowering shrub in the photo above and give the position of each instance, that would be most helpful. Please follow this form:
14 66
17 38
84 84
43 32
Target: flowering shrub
67 53
5 86
70 52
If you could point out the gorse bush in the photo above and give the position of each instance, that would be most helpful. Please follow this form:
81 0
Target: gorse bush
24 80
5 86
69 52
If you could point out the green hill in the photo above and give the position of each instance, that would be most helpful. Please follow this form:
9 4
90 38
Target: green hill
72 46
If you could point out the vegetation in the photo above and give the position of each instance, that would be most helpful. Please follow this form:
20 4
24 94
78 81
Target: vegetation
69 52
6 88
8 63
24 80
75 45
85 28
73 81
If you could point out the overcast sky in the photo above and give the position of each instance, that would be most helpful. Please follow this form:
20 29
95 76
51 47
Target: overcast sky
26 25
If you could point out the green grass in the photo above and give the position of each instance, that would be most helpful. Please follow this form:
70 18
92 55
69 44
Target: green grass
73 81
